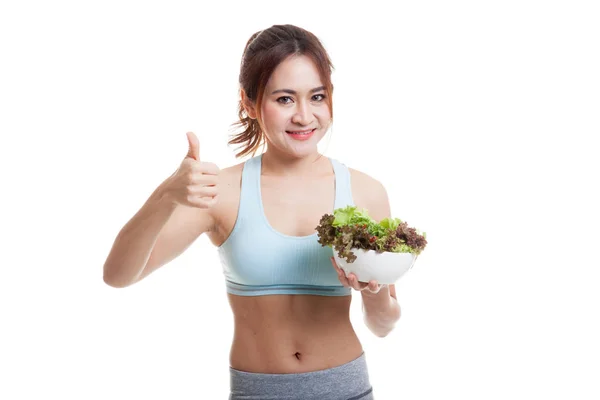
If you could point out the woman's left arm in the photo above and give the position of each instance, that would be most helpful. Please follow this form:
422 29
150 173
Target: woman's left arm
380 307
381 310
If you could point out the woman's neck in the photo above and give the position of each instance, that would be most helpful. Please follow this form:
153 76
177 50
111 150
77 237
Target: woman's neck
302 167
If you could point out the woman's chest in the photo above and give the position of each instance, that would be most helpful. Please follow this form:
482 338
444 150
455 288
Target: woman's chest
292 207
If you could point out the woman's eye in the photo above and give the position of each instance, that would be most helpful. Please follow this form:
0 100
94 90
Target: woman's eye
279 100
284 99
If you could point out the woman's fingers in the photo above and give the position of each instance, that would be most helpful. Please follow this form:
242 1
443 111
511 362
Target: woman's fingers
341 273
337 269
372 286
352 281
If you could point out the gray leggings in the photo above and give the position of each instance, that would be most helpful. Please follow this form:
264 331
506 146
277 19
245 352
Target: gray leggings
348 381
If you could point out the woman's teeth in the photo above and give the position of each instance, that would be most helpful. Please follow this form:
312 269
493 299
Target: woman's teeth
300 132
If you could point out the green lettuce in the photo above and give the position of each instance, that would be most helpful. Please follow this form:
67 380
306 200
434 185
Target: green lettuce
350 228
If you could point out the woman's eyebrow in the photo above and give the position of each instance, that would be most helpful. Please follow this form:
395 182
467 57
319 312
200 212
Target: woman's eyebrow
290 91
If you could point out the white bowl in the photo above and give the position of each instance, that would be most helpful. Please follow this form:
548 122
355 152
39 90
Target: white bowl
385 268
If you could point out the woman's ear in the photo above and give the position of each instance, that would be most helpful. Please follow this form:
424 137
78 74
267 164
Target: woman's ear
248 105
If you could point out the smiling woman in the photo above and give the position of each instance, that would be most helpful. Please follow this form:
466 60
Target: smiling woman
287 298
302 115
293 337
272 66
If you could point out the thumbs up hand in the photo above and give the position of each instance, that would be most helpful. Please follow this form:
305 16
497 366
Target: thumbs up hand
193 146
195 183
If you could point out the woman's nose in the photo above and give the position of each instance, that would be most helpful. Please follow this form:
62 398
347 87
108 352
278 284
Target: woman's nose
303 115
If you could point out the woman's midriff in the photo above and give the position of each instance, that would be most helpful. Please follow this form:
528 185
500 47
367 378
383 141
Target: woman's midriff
282 334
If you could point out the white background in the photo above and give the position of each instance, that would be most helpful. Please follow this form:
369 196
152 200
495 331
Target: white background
478 117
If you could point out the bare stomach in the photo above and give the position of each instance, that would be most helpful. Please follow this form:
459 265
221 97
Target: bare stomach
282 334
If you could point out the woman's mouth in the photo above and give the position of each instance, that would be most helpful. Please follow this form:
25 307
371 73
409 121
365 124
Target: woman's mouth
301 135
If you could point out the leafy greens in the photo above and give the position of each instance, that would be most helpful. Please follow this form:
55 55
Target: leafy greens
350 228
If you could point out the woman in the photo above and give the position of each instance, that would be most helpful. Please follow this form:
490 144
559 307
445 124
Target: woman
293 337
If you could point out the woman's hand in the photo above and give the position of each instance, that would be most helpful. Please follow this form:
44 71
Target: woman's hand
352 281
195 183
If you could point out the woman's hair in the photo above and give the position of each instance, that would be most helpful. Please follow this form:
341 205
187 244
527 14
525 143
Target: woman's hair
264 51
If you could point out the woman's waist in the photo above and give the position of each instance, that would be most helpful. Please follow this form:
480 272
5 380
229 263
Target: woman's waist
342 379
291 348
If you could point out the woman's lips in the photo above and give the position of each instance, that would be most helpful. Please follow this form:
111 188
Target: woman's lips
301 135
301 132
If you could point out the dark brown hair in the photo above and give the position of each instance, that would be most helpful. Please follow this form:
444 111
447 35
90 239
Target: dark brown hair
264 51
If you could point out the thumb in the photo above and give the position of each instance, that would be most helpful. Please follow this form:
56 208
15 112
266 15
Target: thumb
194 146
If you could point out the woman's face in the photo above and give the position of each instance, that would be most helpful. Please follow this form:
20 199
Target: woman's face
294 104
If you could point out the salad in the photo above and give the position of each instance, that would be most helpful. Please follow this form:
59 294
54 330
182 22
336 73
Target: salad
349 228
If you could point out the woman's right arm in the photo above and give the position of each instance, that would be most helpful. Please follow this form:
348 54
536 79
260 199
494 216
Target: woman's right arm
172 218
134 243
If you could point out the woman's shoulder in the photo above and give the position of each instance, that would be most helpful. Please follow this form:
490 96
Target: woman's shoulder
230 177
369 193
362 179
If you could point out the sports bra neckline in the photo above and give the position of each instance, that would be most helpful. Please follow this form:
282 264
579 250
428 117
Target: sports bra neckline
262 209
